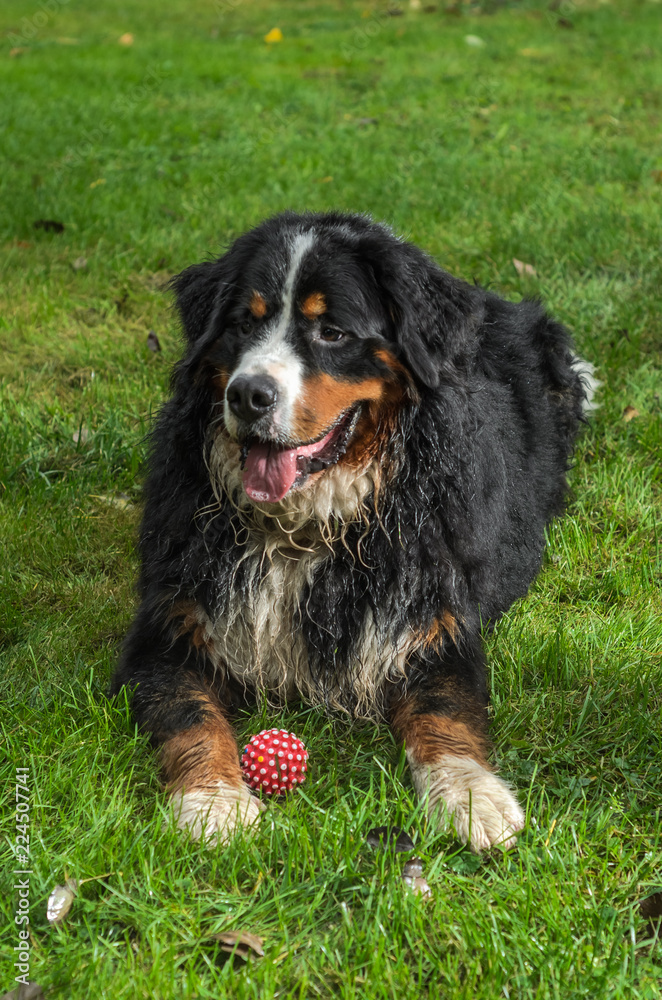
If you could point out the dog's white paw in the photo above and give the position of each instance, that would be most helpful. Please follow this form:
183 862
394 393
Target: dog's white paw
481 807
214 814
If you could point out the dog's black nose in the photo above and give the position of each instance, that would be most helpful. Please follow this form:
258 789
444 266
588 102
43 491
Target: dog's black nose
251 396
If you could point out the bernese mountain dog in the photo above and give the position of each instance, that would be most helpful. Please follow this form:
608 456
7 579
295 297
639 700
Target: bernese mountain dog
350 482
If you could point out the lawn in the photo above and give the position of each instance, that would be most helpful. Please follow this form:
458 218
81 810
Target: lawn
155 135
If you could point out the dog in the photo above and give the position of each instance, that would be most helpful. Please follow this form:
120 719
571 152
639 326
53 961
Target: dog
351 480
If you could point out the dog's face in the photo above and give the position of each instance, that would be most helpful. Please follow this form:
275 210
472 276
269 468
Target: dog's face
307 370
305 337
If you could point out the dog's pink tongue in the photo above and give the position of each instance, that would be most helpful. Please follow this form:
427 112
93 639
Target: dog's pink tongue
270 472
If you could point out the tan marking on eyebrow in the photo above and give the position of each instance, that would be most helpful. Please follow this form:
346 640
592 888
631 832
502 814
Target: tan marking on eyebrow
314 305
257 305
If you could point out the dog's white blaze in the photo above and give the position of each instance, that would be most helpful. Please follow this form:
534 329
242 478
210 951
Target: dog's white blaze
274 355
213 814
480 806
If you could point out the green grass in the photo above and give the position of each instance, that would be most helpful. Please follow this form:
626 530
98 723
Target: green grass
541 145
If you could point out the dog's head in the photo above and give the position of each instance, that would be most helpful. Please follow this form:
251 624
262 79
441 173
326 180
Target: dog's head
315 332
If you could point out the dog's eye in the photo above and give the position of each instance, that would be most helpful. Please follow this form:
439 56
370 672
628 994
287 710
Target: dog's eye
331 336
246 327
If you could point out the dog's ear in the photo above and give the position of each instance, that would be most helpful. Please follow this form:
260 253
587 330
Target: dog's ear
434 315
202 291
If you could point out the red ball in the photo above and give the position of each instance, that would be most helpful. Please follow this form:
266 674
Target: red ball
274 762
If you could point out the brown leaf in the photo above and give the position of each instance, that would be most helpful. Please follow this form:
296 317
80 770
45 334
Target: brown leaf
389 836
412 876
60 900
651 907
26 991
630 413
126 39
523 268
657 176
153 342
49 225
241 943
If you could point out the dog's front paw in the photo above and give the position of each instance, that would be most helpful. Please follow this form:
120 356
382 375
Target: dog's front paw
481 807
214 814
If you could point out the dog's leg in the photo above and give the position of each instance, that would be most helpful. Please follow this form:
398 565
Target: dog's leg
174 702
442 720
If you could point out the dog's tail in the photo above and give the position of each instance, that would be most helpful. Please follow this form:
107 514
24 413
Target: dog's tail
590 383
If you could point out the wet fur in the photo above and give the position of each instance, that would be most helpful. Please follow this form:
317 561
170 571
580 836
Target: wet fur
366 589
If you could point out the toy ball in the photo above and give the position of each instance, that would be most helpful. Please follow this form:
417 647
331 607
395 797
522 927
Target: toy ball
274 762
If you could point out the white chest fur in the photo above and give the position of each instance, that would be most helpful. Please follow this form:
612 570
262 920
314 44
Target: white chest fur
257 642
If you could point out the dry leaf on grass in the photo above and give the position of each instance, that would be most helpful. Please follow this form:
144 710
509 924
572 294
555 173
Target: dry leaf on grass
18 50
81 436
275 35
630 413
121 501
26 991
523 268
412 876
60 900
651 909
390 836
241 943
62 896
126 39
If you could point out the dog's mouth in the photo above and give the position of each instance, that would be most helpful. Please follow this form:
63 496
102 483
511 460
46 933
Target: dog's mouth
271 470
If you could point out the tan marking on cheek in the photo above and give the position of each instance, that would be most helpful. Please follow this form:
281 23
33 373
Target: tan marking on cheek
314 305
257 305
428 737
376 428
396 366
389 359
325 398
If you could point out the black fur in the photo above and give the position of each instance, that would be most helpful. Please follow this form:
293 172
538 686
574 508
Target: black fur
483 442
